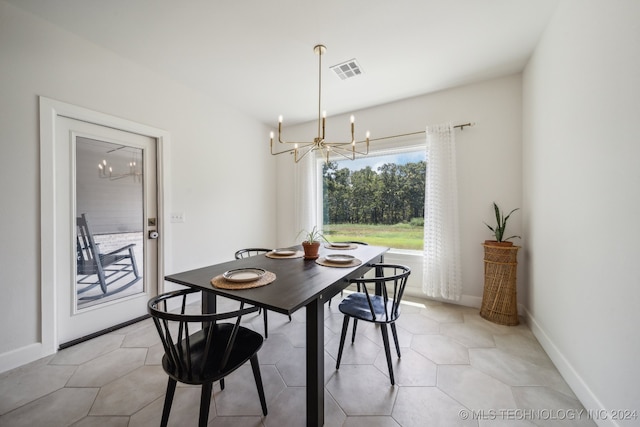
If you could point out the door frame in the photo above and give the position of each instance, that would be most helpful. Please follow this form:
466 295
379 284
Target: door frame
50 110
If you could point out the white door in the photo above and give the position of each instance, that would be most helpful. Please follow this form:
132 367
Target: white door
106 227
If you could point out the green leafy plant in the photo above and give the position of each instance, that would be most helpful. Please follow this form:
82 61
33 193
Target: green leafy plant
312 236
501 219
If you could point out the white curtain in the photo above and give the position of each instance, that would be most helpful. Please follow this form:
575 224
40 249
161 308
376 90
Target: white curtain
306 194
442 275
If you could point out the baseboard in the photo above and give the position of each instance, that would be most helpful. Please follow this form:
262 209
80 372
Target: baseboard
579 387
30 353
465 300
470 301
21 356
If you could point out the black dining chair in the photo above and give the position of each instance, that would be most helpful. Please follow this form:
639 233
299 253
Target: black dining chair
199 349
249 252
355 243
381 307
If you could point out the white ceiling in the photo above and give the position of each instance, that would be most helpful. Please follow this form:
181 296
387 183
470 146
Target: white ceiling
258 54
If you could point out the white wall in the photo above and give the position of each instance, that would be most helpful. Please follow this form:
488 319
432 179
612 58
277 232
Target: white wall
220 174
489 162
582 198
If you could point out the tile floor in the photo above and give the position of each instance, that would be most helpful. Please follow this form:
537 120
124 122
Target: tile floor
456 369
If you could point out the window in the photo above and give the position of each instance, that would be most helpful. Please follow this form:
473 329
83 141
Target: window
377 199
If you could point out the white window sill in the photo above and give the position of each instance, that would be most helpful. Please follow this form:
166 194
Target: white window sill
406 252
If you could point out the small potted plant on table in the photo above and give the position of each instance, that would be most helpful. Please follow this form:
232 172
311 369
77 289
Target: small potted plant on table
311 244
499 301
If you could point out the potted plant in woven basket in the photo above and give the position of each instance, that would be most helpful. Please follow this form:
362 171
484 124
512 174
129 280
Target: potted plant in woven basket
311 243
499 301
500 227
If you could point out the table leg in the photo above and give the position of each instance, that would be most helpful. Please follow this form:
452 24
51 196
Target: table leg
315 363
379 273
209 302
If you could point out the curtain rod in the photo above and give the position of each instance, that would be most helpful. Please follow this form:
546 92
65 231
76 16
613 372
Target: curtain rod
461 127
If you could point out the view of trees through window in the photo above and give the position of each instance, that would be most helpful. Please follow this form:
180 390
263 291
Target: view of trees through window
378 200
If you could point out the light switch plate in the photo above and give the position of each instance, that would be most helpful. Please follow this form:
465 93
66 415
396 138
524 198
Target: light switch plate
177 217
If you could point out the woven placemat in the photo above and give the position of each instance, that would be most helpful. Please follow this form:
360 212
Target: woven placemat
298 254
222 283
341 248
323 261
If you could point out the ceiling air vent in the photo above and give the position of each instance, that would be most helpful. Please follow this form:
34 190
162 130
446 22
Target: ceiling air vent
347 70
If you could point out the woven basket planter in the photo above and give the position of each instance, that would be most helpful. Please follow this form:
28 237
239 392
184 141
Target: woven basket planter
499 301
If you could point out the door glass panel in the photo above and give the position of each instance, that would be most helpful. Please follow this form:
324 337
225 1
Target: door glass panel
109 222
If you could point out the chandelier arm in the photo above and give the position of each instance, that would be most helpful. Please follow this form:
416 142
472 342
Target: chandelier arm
353 135
282 152
342 152
297 150
339 144
120 176
291 150
339 148
303 144
363 153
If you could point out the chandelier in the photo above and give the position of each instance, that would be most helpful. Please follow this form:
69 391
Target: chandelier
105 170
326 148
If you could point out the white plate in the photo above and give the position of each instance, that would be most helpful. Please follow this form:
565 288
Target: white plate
244 274
340 245
283 252
339 259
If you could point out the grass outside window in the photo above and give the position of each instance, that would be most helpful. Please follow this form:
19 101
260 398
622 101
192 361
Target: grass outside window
398 236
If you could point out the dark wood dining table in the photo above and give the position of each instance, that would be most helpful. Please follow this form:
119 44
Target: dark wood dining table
299 283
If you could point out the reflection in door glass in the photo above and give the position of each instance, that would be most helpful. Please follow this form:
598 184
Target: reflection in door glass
109 219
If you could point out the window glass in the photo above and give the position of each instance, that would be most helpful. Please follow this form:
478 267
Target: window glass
377 199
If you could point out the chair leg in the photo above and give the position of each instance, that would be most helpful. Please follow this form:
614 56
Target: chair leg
387 350
345 326
289 318
168 400
205 401
256 374
395 338
266 328
222 384
353 334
